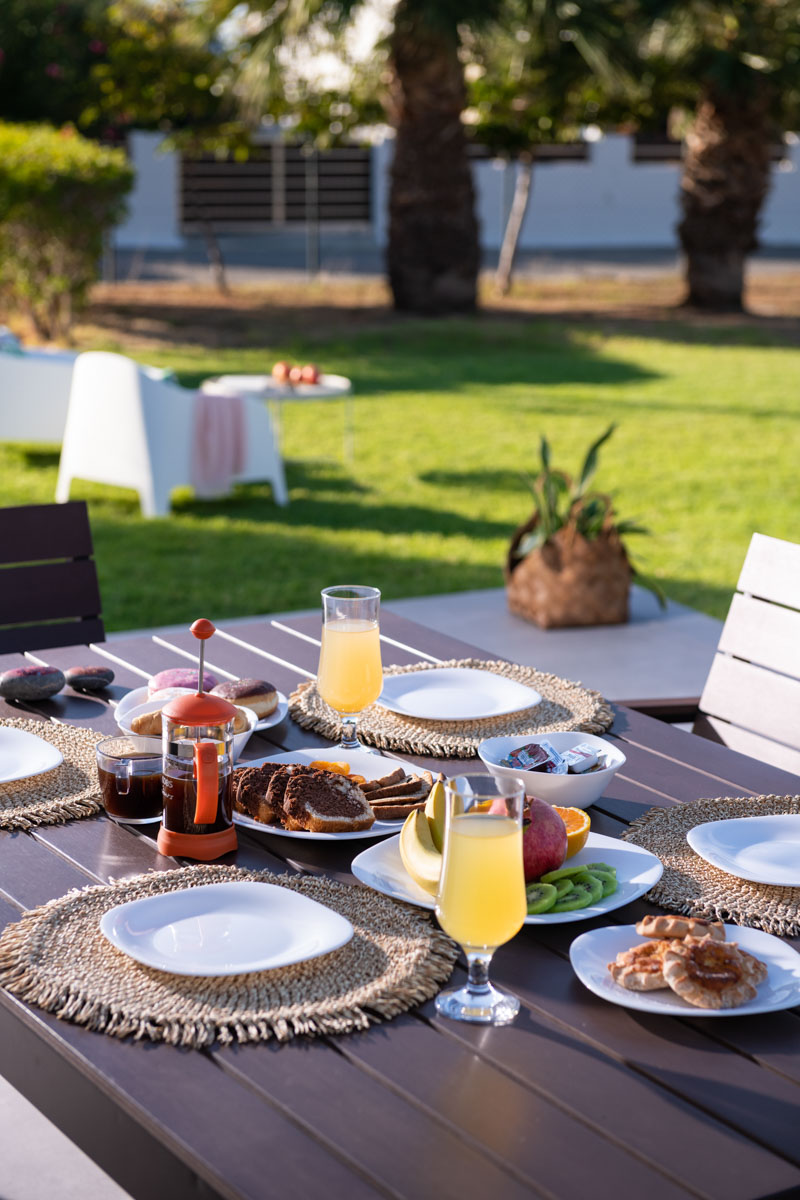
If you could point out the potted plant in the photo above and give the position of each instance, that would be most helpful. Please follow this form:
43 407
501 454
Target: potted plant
568 565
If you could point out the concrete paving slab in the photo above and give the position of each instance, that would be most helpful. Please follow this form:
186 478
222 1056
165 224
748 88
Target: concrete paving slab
659 653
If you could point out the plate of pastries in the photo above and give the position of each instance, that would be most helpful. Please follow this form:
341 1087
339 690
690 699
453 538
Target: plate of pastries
688 966
323 794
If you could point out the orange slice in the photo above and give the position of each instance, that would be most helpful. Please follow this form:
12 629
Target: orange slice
358 779
578 825
338 768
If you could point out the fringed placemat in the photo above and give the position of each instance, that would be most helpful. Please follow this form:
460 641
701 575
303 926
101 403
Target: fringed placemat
66 792
692 886
564 705
57 958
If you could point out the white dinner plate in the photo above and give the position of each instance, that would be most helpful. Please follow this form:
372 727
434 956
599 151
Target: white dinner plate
225 929
329 386
455 694
371 766
759 849
591 953
381 867
138 696
23 755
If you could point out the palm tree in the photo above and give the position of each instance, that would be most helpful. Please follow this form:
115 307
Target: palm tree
738 61
433 251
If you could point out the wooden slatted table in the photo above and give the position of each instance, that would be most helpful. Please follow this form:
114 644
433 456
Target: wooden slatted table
579 1097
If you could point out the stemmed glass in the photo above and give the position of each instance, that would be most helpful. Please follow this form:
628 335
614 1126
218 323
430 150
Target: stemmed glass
350 675
481 901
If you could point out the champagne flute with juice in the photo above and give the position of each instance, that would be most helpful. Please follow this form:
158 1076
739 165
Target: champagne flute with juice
481 899
350 674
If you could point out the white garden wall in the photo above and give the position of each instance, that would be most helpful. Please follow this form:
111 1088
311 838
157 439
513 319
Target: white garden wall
608 202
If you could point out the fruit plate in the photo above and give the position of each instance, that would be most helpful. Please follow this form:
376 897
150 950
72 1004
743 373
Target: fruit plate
371 766
591 953
455 694
759 849
380 867
225 929
23 755
138 696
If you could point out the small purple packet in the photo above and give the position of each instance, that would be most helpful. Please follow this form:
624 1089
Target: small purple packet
526 758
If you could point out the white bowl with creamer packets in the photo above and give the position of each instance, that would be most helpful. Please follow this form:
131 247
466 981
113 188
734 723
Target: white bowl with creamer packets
577 780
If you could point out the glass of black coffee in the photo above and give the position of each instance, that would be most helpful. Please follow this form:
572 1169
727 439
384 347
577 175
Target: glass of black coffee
129 772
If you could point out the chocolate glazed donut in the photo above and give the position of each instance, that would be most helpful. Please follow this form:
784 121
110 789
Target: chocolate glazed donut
251 693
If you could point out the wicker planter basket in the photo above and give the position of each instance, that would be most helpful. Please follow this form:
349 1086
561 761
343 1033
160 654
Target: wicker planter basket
569 581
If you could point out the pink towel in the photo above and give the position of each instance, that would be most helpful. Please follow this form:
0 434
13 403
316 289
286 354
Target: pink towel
218 448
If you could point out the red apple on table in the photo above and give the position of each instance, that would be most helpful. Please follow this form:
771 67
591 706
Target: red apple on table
544 840
296 375
310 373
280 372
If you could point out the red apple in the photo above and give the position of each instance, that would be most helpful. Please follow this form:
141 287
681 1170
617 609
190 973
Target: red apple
296 375
544 840
280 372
310 373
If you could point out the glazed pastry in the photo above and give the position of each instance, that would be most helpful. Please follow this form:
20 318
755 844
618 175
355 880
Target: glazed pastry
252 693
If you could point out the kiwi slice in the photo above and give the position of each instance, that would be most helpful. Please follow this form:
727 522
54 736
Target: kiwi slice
540 897
600 867
581 895
563 873
563 886
608 881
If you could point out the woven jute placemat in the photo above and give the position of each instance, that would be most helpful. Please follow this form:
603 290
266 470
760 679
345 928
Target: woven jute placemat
692 886
57 958
62 794
564 705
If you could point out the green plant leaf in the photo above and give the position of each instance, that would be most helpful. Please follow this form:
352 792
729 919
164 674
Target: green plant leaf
545 452
532 541
590 462
630 526
652 585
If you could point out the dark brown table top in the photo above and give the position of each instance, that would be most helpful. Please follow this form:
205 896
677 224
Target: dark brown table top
579 1097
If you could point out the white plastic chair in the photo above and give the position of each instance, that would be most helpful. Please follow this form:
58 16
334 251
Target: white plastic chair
131 430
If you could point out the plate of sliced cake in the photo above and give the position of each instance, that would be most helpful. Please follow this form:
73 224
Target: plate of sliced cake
327 794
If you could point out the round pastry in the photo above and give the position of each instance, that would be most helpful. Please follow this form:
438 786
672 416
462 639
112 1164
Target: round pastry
250 693
185 677
669 926
640 969
709 973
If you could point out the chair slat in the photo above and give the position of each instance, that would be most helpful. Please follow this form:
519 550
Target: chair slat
43 637
49 591
763 633
754 698
746 742
32 532
49 597
771 570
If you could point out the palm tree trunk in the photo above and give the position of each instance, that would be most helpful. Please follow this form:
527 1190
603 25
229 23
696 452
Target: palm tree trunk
433 253
516 219
726 176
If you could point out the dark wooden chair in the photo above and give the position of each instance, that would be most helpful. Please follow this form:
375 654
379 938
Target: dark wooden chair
751 698
49 594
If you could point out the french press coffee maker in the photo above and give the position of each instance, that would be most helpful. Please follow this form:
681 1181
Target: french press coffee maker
197 821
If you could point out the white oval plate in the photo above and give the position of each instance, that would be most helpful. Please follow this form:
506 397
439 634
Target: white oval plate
381 867
329 386
23 755
371 766
591 953
455 694
225 929
759 849
138 696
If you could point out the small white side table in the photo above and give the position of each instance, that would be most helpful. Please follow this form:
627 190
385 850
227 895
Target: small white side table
330 387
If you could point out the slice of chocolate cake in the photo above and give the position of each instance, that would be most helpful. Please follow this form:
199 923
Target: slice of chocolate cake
250 791
322 802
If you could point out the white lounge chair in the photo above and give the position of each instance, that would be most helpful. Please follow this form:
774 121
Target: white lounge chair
130 430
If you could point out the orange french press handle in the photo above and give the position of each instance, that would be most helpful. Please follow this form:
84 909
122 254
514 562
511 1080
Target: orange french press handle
207 775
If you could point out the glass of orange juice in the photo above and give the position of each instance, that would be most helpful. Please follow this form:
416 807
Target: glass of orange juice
481 901
350 675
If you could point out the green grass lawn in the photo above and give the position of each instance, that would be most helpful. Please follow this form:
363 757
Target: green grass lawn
448 417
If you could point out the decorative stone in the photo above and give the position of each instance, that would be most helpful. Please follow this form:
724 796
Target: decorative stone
31 683
89 679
